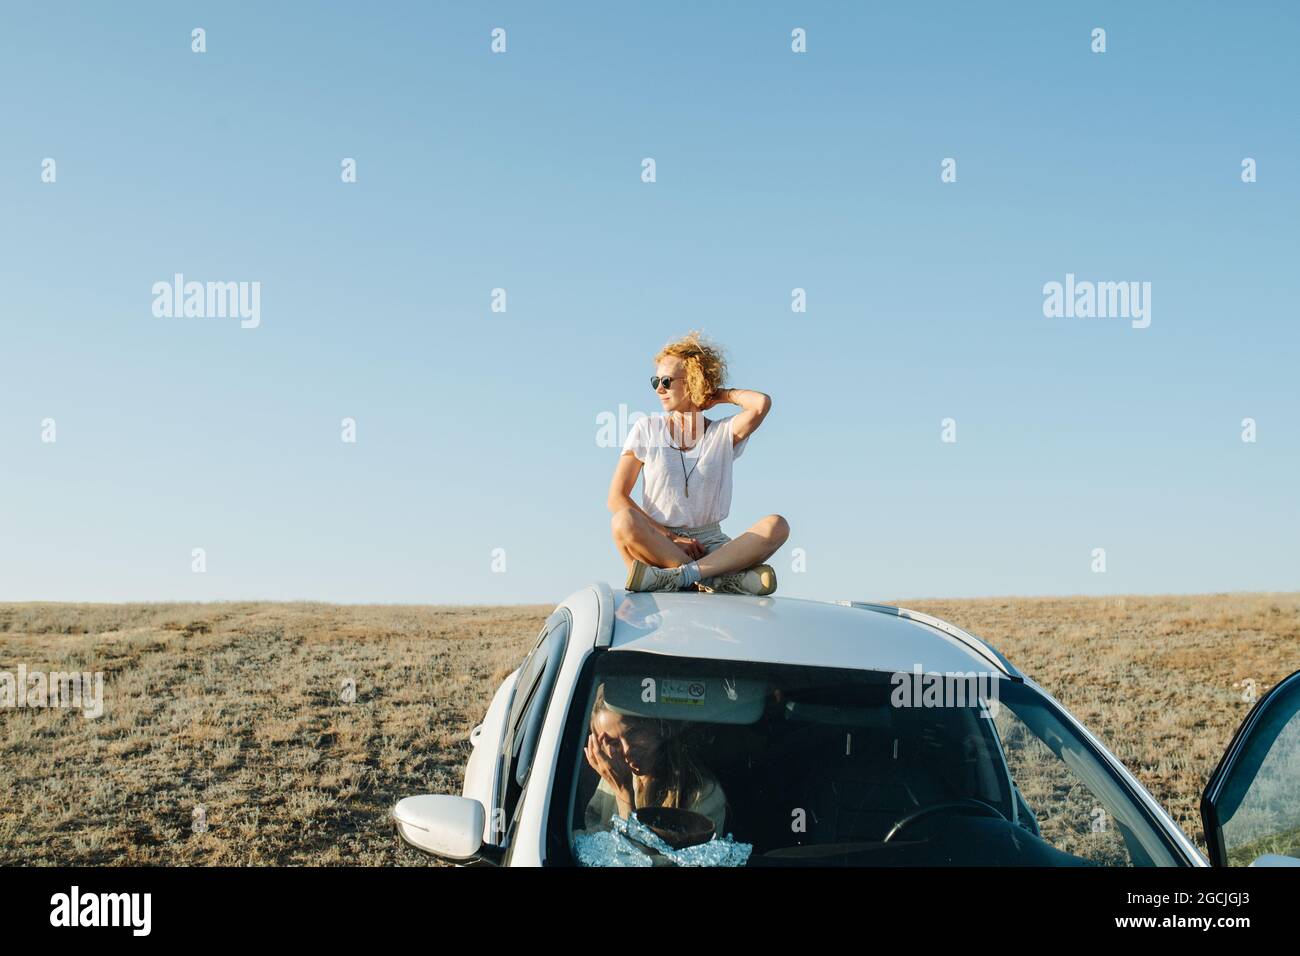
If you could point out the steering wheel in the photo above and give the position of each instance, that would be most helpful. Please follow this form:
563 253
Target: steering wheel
964 803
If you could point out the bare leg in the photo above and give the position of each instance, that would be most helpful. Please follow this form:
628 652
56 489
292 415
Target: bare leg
753 547
637 539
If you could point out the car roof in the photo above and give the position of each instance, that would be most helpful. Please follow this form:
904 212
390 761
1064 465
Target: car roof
788 630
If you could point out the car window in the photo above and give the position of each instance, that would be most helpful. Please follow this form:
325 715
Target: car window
1053 802
1256 809
769 765
532 695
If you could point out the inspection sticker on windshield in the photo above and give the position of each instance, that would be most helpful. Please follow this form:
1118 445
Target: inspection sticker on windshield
672 691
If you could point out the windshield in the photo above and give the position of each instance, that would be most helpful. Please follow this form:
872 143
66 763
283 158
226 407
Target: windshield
694 762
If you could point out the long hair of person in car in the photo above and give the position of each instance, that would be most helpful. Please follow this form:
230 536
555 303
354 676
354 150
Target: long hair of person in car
677 780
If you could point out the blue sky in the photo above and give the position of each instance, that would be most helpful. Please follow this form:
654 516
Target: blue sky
477 430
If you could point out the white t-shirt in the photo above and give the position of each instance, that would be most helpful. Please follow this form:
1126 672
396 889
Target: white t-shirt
708 462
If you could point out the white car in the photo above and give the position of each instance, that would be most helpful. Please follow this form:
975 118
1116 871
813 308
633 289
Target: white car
840 734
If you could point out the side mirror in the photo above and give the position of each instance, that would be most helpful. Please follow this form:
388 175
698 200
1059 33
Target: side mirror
446 826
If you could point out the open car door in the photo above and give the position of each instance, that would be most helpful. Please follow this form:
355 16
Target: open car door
1251 807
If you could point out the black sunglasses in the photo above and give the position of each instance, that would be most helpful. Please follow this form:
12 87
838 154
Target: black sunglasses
666 379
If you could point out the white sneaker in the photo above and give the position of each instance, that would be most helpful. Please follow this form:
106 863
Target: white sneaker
646 577
760 579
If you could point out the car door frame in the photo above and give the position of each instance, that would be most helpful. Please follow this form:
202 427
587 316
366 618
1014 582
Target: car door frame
593 622
1254 723
548 675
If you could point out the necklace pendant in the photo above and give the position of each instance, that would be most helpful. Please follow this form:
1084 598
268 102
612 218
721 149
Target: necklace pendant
688 491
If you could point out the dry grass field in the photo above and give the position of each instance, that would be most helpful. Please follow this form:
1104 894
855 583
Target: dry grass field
237 709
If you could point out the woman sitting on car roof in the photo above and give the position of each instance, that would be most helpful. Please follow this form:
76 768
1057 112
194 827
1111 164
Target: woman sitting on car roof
673 540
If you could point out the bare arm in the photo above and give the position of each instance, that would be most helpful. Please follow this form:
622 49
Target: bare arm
620 488
754 408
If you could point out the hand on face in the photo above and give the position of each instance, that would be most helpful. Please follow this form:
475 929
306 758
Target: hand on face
612 767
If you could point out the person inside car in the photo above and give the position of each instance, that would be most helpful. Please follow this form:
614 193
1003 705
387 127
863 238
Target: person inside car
646 762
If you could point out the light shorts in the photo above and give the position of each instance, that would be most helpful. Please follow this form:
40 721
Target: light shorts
710 535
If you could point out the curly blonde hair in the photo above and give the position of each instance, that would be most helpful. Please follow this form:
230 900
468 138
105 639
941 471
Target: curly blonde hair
706 366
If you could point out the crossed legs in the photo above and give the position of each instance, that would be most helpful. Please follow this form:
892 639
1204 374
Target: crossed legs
637 539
